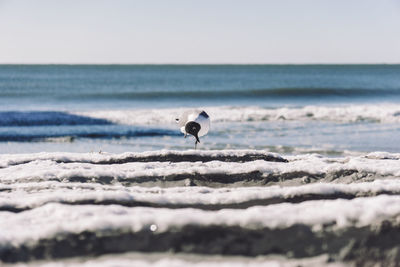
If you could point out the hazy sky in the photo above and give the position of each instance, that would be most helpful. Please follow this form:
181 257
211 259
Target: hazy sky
207 31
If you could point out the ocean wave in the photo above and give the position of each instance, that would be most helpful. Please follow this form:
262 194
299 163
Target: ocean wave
90 229
69 134
288 92
283 92
389 113
149 156
155 259
32 195
46 118
302 169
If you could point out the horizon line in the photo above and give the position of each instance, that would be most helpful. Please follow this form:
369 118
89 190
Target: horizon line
222 63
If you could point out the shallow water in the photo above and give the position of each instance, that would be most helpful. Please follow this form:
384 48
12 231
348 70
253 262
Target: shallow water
81 208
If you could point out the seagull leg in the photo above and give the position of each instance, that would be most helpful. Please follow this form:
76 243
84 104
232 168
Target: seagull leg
195 145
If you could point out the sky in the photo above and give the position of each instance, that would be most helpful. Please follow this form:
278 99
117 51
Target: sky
204 32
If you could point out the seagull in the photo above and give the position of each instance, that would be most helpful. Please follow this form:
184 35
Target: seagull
196 123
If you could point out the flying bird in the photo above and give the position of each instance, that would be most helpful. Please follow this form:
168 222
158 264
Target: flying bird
196 123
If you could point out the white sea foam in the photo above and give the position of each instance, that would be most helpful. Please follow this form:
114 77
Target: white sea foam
351 113
50 219
48 169
41 182
15 159
31 195
383 155
184 260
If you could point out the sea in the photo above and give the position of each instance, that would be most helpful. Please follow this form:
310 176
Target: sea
301 166
331 110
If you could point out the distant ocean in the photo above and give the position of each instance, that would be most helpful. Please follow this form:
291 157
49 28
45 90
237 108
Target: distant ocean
291 109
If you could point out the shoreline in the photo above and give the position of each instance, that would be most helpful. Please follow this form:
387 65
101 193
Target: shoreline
227 202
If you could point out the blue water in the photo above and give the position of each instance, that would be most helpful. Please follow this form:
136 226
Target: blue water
36 102
85 86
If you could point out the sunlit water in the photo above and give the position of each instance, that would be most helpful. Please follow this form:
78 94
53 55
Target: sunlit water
41 107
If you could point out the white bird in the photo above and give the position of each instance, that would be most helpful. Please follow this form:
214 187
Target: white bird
196 123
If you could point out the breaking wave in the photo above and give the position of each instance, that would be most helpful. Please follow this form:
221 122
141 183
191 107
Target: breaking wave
46 118
69 133
344 114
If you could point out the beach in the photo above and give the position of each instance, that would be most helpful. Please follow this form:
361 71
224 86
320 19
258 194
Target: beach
301 165
234 203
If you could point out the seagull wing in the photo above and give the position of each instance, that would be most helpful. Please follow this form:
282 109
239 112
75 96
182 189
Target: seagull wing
183 119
